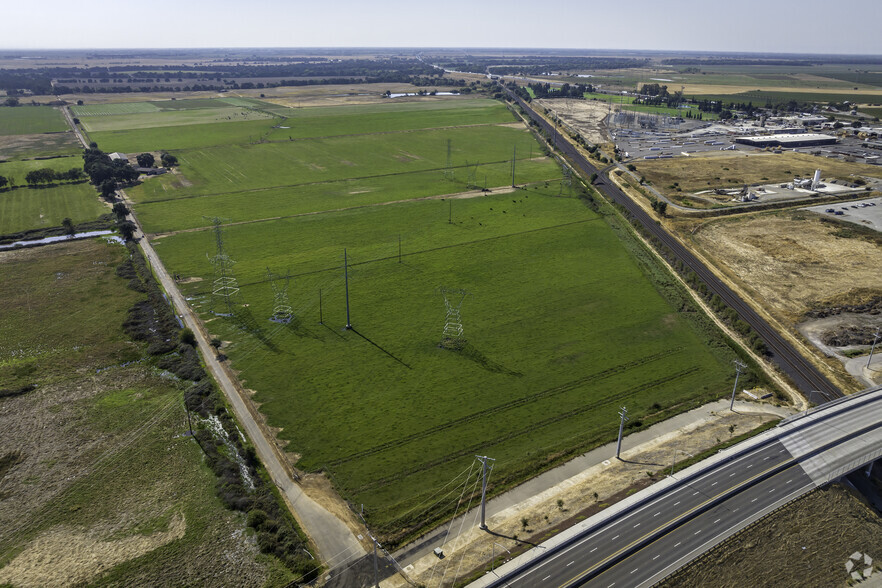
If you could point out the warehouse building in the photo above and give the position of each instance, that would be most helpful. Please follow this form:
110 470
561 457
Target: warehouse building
790 140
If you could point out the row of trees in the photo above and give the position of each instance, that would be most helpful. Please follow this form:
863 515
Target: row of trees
49 176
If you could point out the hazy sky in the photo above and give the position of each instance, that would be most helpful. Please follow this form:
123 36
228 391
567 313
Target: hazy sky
813 26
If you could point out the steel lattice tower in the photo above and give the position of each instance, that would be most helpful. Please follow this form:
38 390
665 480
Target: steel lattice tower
448 170
225 286
452 335
282 311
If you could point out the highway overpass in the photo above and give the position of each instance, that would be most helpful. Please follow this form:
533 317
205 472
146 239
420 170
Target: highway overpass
648 536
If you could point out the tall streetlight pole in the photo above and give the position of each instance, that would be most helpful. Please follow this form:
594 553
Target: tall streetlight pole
738 368
624 415
873 348
485 461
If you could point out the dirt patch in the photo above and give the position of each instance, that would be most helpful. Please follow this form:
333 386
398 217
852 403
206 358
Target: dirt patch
790 261
724 170
585 116
64 556
805 544
18 146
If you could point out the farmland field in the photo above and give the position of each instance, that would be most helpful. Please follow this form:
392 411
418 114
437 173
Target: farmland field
100 486
29 120
562 325
25 208
562 319
170 118
236 167
38 145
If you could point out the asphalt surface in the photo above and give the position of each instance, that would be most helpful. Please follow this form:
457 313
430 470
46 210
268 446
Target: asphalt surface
804 375
639 547
574 565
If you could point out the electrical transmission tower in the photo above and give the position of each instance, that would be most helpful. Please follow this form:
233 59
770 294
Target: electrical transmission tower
448 170
282 311
566 182
472 179
452 336
225 286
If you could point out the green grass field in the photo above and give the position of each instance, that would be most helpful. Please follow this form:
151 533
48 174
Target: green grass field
29 120
171 118
563 321
19 169
760 97
174 214
558 308
228 168
25 208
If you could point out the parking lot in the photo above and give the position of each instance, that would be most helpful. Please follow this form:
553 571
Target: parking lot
867 212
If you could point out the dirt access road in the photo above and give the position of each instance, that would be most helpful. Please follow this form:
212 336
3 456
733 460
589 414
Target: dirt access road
335 542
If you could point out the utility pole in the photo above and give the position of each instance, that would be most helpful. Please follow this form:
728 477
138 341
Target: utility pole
624 414
376 545
346 279
514 158
873 348
738 368
487 467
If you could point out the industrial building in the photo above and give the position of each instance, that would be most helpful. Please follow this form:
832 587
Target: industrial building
789 140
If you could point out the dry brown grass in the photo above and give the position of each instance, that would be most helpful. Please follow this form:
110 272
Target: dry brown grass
805 544
725 169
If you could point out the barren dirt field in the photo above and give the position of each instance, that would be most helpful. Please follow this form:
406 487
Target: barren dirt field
792 261
724 170
586 116
805 544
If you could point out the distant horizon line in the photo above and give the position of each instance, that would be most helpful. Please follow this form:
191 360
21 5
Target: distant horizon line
437 48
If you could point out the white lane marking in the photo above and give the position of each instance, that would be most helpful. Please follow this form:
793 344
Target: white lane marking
546 577
717 521
697 532
676 503
616 537
637 525
695 494
788 481
714 484
750 466
571 563
767 457
593 550
754 500
634 570
611 585
772 490
736 510
678 544
656 514
656 557
732 474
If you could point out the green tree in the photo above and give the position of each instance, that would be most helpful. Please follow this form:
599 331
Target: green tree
146 160
187 337
3 182
69 227
120 210
169 160
10 101
127 229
